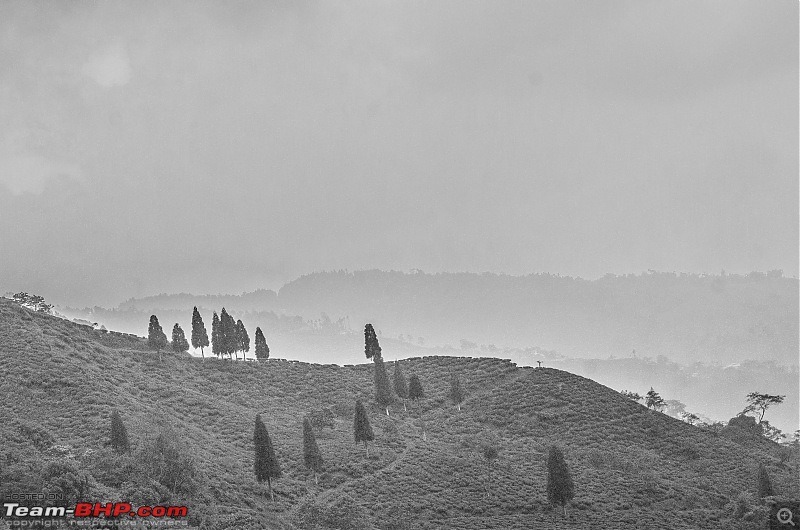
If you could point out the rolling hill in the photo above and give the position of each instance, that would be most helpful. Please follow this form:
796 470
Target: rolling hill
633 468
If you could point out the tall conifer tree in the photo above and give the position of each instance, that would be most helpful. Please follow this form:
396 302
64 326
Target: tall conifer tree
560 488
361 427
227 331
311 454
242 339
266 463
119 434
262 350
216 337
199 333
179 343
371 347
156 338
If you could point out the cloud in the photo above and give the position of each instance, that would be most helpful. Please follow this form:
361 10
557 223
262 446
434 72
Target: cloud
109 67
29 173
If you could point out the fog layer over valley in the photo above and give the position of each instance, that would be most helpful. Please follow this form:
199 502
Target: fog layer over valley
704 340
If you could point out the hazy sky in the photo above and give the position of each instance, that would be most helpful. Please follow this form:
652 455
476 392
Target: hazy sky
226 146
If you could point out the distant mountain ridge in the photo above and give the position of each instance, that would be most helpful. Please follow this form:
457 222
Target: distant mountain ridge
686 317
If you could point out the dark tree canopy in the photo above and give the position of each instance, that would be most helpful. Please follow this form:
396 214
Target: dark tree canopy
311 455
199 333
456 391
362 430
371 347
227 333
653 400
560 488
415 388
156 338
631 395
216 338
400 385
179 343
383 389
119 434
759 403
266 463
242 338
764 483
262 350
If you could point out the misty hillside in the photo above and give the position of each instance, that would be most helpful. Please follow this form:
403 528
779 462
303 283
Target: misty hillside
632 467
719 319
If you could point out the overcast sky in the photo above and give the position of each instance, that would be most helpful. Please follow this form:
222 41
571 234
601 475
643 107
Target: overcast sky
225 146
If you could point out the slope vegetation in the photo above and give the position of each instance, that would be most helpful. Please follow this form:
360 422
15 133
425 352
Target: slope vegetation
632 467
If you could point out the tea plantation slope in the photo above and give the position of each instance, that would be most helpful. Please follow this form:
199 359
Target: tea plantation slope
631 467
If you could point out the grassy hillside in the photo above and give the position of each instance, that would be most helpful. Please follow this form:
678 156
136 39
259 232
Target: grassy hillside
632 468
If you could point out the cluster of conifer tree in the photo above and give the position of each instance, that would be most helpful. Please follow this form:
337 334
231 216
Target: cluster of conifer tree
228 337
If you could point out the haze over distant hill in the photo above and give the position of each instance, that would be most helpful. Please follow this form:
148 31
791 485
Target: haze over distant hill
712 318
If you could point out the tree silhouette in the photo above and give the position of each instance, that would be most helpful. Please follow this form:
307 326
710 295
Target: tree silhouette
400 386
266 463
242 339
227 333
764 483
216 337
199 333
759 403
262 350
119 434
653 400
156 338
456 392
361 427
311 455
560 488
383 390
415 388
179 343
371 347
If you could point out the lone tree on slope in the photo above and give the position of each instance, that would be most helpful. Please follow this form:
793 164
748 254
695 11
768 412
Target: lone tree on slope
653 400
456 391
156 338
764 483
242 339
119 434
311 455
179 343
216 338
266 463
361 427
759 403
262 350
415 388
400 386
199 333
371 347
560 488
383 390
